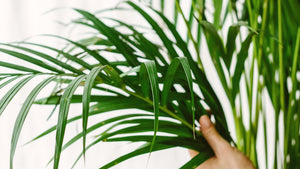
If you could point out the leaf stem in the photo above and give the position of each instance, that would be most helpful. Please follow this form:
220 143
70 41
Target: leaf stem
261 38
281 77
292 94
280 52
189 33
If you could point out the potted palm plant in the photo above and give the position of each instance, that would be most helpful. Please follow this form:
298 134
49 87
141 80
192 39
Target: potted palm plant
253 46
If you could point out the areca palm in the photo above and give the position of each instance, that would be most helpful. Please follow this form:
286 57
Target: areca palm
166 77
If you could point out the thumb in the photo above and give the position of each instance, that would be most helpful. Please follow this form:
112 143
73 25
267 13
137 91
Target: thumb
211 135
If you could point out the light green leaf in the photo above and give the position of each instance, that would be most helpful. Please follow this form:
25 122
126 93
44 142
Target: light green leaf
8 81
23 114
48 57
133 70
66 55
18 67
148 73
12 92
217 12
86 100
31 60
63 115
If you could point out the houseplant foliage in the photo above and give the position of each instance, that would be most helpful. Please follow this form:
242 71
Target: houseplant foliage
168 79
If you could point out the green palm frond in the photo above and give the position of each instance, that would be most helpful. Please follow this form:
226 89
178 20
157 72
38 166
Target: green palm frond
166 77
141 85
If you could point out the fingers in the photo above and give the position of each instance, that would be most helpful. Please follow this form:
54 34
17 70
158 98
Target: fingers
214 139
193 153
211 163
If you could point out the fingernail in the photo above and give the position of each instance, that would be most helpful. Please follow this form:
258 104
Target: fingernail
205 121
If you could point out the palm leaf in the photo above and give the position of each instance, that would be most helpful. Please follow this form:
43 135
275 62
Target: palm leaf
12 92
196 161
31 60
23 114
8 81
230 44
209 95
166 41
18 67
86 100
216 49
132 81
47 57
112 35
63 115
148 75
169 80
241 57
142 150
66 55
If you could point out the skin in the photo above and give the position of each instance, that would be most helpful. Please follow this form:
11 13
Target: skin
226 156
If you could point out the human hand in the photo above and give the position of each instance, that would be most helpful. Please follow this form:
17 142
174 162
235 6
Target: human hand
226 156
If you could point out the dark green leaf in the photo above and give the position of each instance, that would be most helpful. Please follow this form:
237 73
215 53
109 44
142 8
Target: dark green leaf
196 161
241 57
216 50
139 151
230 44
113 35
166 41
169 81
